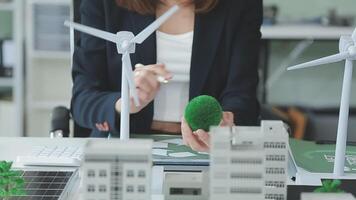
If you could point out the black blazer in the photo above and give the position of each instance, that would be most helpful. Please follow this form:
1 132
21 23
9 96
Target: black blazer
224 62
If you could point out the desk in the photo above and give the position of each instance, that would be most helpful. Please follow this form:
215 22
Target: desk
11 147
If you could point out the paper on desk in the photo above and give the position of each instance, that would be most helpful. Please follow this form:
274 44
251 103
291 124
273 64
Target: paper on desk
159 152
160 145
181 154
177 141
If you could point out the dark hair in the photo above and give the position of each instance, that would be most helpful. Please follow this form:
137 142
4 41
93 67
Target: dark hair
149 6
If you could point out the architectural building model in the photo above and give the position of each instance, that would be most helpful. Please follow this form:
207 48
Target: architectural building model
186 185
249 162
117 170
327 196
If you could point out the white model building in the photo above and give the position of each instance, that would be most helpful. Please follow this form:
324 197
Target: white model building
249 162
190 185
117 170
327 196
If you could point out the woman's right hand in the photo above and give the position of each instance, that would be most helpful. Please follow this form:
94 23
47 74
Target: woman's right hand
199 140
147 85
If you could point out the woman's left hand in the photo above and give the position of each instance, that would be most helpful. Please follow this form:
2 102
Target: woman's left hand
199 140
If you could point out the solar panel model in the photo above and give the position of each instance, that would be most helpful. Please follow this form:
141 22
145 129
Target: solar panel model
47 185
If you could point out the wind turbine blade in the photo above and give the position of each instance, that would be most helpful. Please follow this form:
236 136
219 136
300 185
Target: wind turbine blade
322 61
92 31
126 62
143 35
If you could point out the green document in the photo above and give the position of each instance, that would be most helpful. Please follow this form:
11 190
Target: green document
319 158
170 150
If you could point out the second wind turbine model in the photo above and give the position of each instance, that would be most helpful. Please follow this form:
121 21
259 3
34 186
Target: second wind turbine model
126 43
347 48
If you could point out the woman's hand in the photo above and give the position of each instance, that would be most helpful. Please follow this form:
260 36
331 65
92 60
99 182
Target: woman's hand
199 140
147 85
227 119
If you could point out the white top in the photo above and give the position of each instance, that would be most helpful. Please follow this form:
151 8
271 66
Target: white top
175 51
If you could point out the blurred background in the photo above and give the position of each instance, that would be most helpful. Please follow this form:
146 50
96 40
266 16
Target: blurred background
35 64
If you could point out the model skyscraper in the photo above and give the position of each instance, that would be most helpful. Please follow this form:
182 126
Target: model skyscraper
249 162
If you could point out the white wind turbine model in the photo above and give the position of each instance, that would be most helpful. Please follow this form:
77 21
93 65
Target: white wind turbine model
347 48
126 42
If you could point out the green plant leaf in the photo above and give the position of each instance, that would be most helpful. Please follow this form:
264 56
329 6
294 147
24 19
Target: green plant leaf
7 166
4 193
9 174
11 182
19 181
2 181
330 186
3 167
336 183
14 191
327 185
5 181
319 190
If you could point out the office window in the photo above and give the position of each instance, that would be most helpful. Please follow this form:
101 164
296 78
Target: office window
102 173
129 189
130 174
91 173
141 189
141 174
102 188
91 188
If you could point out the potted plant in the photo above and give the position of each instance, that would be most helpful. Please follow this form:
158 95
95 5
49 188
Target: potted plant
11 182
330 186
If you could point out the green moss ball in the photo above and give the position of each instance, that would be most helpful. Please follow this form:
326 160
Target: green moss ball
202 112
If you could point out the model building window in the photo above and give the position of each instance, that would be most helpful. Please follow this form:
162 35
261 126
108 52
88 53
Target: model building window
102 188
141 174
141 189
91 173
275 158
275 196
102 173
274 184
115 173
129 189
130 173
91 188
275 171
277 145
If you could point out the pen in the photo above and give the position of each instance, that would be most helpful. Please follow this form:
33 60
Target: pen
160 79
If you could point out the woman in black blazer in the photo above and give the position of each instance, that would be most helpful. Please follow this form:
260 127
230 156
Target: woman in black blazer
224 59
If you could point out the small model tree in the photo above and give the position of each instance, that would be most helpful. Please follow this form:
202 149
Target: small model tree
11 182
330 186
